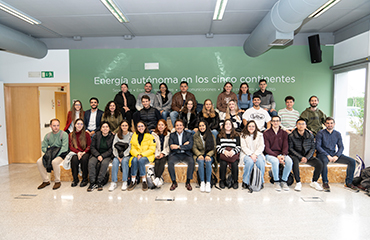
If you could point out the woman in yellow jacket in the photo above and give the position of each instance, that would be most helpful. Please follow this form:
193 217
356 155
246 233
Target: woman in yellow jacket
142 152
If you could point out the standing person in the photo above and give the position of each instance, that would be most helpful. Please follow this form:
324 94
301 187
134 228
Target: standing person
101 155
181 143
179 99
93 117
75 113
147 92
288 115
244 98
204 148
313 116
161 135
228 149
252 146
232 112
142 152
267 98
147 114
258 114
125 103
276 152
121 157
113 116
79 143
224 97
327 140
163 101
58 139
301 149
188 115
209 115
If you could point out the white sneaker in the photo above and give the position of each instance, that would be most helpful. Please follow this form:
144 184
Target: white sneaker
156 181
284 185
160 182
112 186
277 186
202 186
298 187
316 186
124 186
208 187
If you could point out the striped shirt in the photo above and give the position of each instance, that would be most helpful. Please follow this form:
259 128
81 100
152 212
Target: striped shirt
288 118
223 143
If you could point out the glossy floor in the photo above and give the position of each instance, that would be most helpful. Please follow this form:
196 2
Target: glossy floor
73 213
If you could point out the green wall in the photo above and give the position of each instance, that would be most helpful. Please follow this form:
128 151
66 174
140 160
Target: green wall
99 72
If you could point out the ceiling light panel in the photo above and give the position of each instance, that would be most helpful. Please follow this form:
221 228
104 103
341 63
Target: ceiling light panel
17 13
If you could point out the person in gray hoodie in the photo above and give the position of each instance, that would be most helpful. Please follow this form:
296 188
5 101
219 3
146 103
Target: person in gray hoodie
163 101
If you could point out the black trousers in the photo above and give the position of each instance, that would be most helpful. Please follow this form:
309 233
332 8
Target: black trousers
97 175
234 170
127 115
314 162
84 161
159 166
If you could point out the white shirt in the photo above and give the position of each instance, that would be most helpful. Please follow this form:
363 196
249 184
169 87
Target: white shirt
92 122
260 116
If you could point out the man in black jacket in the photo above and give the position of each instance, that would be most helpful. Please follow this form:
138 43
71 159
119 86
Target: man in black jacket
181 144
301 149
148 114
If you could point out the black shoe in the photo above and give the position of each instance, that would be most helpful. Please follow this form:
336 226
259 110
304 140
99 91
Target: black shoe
245 186
235 185
74 183
92 187
100 187
351 187
221 184
84 183
326 187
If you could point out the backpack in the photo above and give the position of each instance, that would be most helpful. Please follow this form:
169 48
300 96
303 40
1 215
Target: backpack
290 179
360 165
150 178
255 179
229 180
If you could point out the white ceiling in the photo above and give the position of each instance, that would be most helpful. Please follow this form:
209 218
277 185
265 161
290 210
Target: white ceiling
90 18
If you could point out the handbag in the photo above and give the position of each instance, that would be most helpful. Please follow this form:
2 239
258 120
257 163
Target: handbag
229 159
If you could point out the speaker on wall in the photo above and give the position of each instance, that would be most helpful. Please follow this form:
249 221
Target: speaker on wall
315 50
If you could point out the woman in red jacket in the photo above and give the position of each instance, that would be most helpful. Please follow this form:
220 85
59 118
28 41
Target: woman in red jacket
75 113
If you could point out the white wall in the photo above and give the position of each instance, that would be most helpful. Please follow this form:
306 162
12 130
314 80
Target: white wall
352 49
3 142
15 68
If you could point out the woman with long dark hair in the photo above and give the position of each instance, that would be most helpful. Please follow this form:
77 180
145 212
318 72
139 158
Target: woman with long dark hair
113 116
252 146
204 148
245 100
76 112
209 115
125 103
224 97
163 101
161 135
189 116
79 143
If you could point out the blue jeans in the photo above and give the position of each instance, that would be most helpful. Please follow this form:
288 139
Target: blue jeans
208 168
351 165
190 131
115 167
248 166
275 167
173 116
272 113
165 115
215 133
135 164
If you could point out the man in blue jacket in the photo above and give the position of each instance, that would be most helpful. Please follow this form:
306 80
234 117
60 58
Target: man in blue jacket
92 117
326 142
181 143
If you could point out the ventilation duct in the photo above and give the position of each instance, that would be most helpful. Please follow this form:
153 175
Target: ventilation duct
277 27
19 43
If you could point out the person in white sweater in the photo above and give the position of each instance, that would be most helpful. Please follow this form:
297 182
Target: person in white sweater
252 146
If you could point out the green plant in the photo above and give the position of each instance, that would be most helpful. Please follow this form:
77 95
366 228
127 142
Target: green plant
357 113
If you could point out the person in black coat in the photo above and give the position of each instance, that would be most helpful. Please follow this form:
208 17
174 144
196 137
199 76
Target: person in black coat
126 103
209 115
188 115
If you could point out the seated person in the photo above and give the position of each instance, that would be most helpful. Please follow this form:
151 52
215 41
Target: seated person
188 115
125 103
267 98
93 117
112 116
276 152
163 101
209 115
179 99
258 114
224 97
101 155
301 149
288 115
326 142
181 143
147 92
244 98
147 114
58 139
313 116
142 152
232 112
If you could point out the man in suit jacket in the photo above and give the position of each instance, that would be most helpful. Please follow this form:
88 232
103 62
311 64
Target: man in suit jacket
92 117
181 143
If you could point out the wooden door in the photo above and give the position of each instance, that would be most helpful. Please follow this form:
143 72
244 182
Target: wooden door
61 108
22 123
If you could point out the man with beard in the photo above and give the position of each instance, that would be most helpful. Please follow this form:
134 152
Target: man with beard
313 116
92 117
258 114
147 91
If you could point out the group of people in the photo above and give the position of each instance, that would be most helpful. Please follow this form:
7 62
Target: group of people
244 129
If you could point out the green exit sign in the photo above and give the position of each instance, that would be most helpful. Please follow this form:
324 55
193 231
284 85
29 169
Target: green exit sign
47 74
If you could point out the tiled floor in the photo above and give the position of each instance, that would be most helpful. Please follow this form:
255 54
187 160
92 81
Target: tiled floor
73 213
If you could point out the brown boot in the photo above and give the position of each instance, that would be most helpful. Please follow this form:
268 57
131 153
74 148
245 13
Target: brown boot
56 185
44 184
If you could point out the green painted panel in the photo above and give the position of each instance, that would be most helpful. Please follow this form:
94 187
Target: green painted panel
99 72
